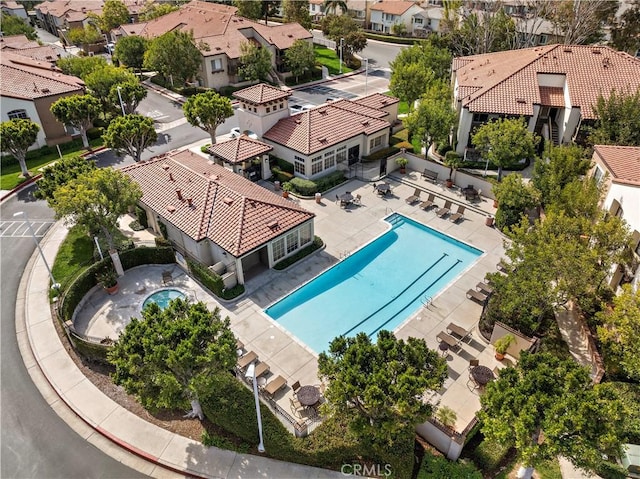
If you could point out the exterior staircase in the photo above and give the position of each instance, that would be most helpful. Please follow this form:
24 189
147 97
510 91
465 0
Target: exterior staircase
554 132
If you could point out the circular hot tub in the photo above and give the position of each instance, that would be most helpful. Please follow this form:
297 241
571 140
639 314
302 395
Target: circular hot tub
163 297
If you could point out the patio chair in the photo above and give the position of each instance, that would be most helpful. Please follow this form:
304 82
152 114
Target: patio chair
444 210
425 205
247 359
484 288
449 340
167 278
473 363
296 407
414 197
358 200
295 386
477 296
458 215
457 330
275 385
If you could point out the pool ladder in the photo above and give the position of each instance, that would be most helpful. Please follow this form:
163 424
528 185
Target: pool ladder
427 301
345 254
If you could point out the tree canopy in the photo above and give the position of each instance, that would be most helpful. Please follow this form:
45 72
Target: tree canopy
114 14
332 7
85 36
514 198
434 117
300 58
336 27
618 119
131 92
625 33
81 66
16 137
619 331
559 166
580 22
297 11
378 386
505 141
78 111
251 9
95 200
101 81
255 62
61 173
174 55
155 10
166 357
14 25
207 111
546 407
130 134
130 50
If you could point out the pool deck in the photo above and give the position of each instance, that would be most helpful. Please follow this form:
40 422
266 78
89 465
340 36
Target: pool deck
343 231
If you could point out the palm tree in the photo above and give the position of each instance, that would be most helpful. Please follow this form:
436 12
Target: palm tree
332 6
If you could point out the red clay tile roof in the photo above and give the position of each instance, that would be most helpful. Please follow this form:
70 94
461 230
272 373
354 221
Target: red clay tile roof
25 78
21 45
261 93
226 208
508 82
552 96
239 149
376 100
392 7
58 8
623 162
324 126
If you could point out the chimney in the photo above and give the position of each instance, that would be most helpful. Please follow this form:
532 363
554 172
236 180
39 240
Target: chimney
190 201
171 177
179 193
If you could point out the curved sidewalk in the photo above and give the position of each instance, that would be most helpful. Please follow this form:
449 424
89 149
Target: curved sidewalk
36 331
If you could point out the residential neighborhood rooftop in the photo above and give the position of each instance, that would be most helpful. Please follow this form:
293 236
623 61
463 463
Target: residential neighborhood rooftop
261 93
21 45
239 149
394 7
623 162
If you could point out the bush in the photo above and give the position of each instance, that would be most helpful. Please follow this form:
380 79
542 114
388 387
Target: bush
212 281
205 148
327 182
281 176
141 214
192 90
161 242
390 38
443 149
304 187
136 226
383 153
282 164
229 90
286 262
439 467
94 133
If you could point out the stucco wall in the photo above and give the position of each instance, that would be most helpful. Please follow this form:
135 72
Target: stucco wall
10 104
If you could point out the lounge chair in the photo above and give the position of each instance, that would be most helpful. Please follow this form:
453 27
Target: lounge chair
445 209
477 295
275 385
261 368
458 215
414 197
449 340
247 359
425 205
484 288
457 330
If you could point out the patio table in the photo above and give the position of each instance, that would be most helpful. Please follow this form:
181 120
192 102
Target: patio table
308 395
347 197
383 188
482 375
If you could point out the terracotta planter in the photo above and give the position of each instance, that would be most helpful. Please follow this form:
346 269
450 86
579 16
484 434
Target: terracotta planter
499 356
488 221
113 289
403 170
449 183
495 203
285 194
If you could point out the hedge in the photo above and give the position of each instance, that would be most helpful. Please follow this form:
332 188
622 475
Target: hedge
280 163
285 263
327 182
392 39
76 144
141 214
280 175
304 187
382 153
212 281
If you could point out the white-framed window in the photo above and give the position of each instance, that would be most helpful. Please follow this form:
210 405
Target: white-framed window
341 154
329 160
417 21
305 234
598 174
292 241
278 249
375 142
316 165
298 165
268 109
18 115
543 40
216 65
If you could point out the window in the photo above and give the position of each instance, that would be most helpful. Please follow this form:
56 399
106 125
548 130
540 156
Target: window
292 241
278 249
329 160
298 165
543 40
268 109
597 174
316 165
375 142
18 114
305 234
216 65
341 154
417 21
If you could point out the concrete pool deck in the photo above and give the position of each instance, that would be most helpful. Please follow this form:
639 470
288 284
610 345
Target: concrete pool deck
342 231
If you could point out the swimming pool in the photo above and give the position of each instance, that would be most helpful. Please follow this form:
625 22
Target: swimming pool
163 297
377 287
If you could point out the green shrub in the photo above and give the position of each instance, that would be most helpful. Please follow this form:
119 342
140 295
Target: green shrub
141 214
192 90
439 467
210 439
327 182
443 149
145 255
286 262
161 242
92 351
94 133
282 164
304 187
163 230
383 153
390 38
280 175
489 456
205 148
229 90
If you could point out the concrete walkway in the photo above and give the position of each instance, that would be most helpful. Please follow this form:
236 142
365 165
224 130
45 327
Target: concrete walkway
166 454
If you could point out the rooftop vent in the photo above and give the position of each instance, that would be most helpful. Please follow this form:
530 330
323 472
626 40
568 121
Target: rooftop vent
322 139
521 100
190 201
596 51
365 123
323 111
171 209
606 62
165 166
273 224
227 201
171 177
179 193
567 50
45 90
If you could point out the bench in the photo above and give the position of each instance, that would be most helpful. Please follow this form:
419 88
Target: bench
430 175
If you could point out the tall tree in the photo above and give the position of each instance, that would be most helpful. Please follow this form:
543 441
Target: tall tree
114 14
208 111
78 111
255 62
547 407
297 11
269 9
131 93
514 198
619 331
559 167
166 357
85 36
409 82
618 119
81 66
625 33
130 134
504 142
16 136
130 51
101 81
95 200
300 58
13 25
335 27
174 55
332 7
581 21
434 118
156 10
378 386
251 9
61 173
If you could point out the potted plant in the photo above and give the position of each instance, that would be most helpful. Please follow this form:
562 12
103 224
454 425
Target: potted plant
109 280
402 162
453 161
286 188
503 344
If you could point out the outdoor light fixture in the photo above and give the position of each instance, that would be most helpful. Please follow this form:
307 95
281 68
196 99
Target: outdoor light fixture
54 285
251 374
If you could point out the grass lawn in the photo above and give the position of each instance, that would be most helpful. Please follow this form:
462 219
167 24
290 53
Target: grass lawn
328 58
403 106
10 177
74 255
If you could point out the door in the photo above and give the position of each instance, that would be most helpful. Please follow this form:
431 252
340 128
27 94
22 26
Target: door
354 154
383 166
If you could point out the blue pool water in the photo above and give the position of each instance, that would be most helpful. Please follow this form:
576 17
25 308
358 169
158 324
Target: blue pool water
163 297
377 287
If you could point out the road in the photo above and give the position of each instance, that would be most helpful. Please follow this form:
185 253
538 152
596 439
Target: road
380 54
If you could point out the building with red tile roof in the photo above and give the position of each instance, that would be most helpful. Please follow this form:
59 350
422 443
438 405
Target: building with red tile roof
218 33
9 7
29 87
217 216
553 87
244 156
21 45
387 13
617 169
